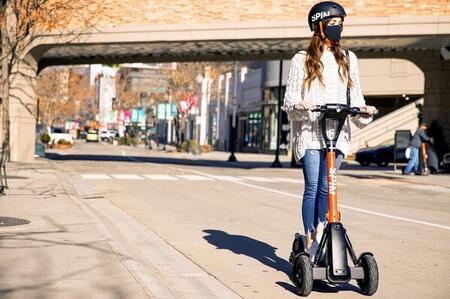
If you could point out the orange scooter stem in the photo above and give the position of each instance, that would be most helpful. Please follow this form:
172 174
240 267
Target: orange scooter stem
424 154
333 212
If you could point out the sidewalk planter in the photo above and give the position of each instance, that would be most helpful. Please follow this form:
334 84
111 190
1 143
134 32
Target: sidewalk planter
62 144
45 138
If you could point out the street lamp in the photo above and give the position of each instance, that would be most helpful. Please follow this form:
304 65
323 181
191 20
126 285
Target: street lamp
197 122
277 162
232 158
219 87
225 112
169 118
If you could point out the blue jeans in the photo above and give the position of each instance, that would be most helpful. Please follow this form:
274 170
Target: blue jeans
413 162
315 196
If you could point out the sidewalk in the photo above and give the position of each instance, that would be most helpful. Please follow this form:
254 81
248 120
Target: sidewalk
62 252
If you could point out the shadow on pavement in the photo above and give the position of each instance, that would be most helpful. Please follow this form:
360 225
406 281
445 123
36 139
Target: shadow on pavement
265 254
250 247
260 251
163 160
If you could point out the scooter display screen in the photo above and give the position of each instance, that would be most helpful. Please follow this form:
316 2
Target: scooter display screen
331 128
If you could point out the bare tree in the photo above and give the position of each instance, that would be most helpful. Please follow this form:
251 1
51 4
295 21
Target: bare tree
65 93
50 92
183 85
183 80
127 94
81 96
20 22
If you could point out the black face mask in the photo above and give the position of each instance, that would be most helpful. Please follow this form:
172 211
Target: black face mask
333 33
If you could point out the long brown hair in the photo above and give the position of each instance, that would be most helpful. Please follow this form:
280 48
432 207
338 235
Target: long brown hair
314 66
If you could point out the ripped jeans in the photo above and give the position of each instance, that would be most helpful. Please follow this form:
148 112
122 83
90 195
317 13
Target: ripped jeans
315 196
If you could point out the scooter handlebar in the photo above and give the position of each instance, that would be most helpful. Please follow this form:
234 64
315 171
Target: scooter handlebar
336 108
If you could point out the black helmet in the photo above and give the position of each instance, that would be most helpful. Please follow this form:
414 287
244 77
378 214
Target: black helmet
322 11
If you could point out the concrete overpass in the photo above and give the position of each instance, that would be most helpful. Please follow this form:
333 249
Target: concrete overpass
424 40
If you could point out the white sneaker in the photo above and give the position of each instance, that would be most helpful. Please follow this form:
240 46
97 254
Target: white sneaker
312 250
319 231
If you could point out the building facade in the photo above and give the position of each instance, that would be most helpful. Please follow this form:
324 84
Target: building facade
388 84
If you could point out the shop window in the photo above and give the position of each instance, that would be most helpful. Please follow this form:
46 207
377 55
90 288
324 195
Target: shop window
253 128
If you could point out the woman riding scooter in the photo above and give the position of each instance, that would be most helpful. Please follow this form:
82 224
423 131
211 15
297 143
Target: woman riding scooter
322 74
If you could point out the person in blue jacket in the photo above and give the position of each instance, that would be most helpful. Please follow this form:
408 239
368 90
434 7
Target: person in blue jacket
414 146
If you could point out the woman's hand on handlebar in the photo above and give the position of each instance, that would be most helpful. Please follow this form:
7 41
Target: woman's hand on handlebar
370 110
303 105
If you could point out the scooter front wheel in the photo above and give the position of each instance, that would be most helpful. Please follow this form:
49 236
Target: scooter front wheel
303 275
369 284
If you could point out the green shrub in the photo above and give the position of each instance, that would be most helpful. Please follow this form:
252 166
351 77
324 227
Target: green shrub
184 146
45 138
124 141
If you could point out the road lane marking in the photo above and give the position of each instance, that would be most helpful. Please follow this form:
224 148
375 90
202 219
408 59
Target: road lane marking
166 177
342 206
288 180
258 179
395 217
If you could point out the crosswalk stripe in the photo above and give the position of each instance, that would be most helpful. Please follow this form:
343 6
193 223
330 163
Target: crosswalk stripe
160 177
95 176
194 177
227 178
127 177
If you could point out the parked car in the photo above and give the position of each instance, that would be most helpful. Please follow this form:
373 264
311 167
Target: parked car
446 163
107 135
56 134
382 154
92 136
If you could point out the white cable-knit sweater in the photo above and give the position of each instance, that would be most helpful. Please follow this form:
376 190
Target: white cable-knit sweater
306 132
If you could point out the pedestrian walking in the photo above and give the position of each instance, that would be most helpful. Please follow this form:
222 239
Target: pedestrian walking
149 139
323 73
414 146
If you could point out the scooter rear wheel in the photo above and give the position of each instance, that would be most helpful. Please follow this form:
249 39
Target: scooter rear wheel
369 284
303 275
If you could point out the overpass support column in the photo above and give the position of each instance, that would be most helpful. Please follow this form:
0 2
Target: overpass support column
437 90
22 110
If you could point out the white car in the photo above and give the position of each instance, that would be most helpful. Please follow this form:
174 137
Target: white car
107 135
57 134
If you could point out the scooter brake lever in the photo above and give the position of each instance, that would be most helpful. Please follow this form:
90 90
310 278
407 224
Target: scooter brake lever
356 110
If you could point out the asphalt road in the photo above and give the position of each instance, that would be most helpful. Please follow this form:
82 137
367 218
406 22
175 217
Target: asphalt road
235 225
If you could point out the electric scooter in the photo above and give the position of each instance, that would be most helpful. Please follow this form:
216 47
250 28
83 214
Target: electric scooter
330 263
424 170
